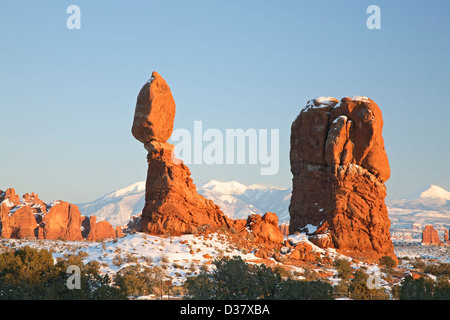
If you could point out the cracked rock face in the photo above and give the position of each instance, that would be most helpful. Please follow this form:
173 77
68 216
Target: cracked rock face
339 168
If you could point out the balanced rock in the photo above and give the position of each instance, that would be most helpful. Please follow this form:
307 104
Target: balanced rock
155 112
172 204
339 167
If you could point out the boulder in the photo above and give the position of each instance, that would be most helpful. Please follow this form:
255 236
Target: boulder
155 112
265 228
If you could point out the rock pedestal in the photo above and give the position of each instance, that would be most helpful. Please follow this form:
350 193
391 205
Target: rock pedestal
172 204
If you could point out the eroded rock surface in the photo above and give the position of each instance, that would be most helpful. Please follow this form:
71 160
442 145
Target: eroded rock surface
339 168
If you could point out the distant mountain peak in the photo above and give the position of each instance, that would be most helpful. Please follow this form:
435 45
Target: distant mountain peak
137 187
225 187
434 192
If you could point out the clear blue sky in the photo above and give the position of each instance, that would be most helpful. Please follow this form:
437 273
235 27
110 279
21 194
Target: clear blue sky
67 97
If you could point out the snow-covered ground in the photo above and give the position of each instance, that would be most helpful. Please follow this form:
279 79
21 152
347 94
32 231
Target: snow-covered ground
179 257
184 256
415 249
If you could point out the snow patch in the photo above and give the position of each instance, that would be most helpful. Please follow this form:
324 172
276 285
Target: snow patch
326 100
360 98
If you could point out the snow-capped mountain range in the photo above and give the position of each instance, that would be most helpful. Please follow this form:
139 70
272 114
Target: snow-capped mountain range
118 206
430 206
238 201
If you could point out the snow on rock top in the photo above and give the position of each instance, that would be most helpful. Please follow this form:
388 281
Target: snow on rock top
360 98
434 192
321 102
326 100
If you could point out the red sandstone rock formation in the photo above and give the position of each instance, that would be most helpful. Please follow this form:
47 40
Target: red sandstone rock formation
284 227
446 237
339 167
20 224
265 228
303 251
172 204
99 230
17 218
62 221
10 196
30 217
430 236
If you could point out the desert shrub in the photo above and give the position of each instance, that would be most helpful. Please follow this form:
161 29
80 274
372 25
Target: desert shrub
439 269
343 268
359 289
137 280
305 290
31 274
424 288
388 263
233 278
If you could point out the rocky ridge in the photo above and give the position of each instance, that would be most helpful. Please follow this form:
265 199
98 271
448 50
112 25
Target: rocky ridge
30 218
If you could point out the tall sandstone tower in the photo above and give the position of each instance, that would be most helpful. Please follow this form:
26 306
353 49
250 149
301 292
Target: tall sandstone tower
339 168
